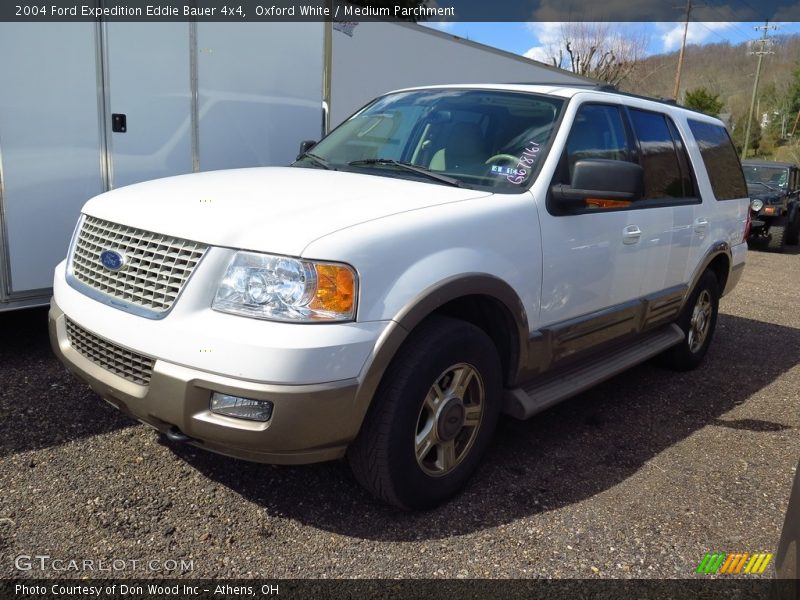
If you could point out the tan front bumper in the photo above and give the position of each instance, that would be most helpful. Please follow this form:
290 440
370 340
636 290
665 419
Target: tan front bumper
310 423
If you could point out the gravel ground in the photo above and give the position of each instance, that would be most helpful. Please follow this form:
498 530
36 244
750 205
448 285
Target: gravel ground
637 478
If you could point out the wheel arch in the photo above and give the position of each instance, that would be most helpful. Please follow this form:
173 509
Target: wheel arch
484 300
719 260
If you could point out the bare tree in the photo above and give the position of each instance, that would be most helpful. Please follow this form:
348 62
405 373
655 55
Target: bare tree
598 50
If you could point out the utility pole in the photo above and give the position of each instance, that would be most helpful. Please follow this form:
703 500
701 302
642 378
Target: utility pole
676 91
762 44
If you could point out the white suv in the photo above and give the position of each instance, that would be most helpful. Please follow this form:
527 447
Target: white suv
445 255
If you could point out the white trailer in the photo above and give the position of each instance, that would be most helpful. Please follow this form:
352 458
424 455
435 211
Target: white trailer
86 107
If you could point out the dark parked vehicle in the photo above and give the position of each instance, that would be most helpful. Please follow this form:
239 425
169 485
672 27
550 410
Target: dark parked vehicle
774 189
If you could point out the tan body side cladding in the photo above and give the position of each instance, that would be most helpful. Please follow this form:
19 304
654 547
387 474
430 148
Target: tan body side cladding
526 401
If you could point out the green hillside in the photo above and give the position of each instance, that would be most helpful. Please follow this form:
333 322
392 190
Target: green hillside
727 71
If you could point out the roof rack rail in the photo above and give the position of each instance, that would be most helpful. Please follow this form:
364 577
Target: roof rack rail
598 85
662 99
602 86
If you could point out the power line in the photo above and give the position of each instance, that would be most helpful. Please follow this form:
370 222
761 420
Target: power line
763 43
715 32
689 6
733 24
723 18
677 88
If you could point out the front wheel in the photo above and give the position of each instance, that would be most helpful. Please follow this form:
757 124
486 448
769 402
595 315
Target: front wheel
432 416
698 321
777 235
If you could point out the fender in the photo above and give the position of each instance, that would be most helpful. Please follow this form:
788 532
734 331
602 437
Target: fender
718 249
422 306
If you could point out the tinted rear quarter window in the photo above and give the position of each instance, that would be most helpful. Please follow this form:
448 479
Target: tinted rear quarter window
720 159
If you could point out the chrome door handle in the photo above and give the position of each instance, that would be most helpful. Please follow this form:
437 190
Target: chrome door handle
631 234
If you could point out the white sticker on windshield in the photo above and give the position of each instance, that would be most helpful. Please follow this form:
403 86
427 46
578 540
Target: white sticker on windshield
529 156
503 171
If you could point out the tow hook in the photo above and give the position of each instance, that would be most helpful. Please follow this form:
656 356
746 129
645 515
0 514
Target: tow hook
176 435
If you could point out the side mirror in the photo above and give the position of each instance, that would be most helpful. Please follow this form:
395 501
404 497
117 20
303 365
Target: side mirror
305 146
600 182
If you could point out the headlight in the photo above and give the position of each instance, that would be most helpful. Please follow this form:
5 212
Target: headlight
279 288
757 205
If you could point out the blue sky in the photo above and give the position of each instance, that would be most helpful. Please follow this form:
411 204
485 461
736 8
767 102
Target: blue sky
532 39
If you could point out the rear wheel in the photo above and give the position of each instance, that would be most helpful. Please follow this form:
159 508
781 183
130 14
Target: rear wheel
432 416
698 321
777 235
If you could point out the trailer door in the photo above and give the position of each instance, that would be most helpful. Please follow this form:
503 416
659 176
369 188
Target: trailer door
148 112
50 159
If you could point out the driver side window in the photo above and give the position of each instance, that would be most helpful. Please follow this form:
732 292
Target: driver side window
597 132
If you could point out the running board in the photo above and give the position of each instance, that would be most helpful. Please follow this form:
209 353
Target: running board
525 401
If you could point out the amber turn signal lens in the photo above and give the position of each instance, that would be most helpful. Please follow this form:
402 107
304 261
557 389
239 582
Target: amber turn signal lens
335 289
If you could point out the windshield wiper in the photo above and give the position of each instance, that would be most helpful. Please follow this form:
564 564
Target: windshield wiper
318 160
769 187
407 166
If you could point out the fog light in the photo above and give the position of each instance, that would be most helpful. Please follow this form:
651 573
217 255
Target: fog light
241 408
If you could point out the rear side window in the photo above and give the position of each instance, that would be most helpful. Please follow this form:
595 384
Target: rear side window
720 159
665 166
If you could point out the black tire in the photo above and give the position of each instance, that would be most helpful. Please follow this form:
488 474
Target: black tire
383 457
689 354
777 235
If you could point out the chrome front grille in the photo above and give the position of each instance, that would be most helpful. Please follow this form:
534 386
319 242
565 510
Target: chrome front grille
155 269
125 363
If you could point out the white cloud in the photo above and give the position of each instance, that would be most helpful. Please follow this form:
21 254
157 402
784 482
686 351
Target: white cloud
699 32
547 32
539 53
548 35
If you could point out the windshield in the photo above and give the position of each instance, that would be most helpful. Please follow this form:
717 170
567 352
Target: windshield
474 138
771 176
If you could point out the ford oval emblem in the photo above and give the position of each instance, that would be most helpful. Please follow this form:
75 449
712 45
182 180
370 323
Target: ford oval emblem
112 260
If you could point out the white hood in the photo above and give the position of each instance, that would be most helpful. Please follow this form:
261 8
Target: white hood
268 209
